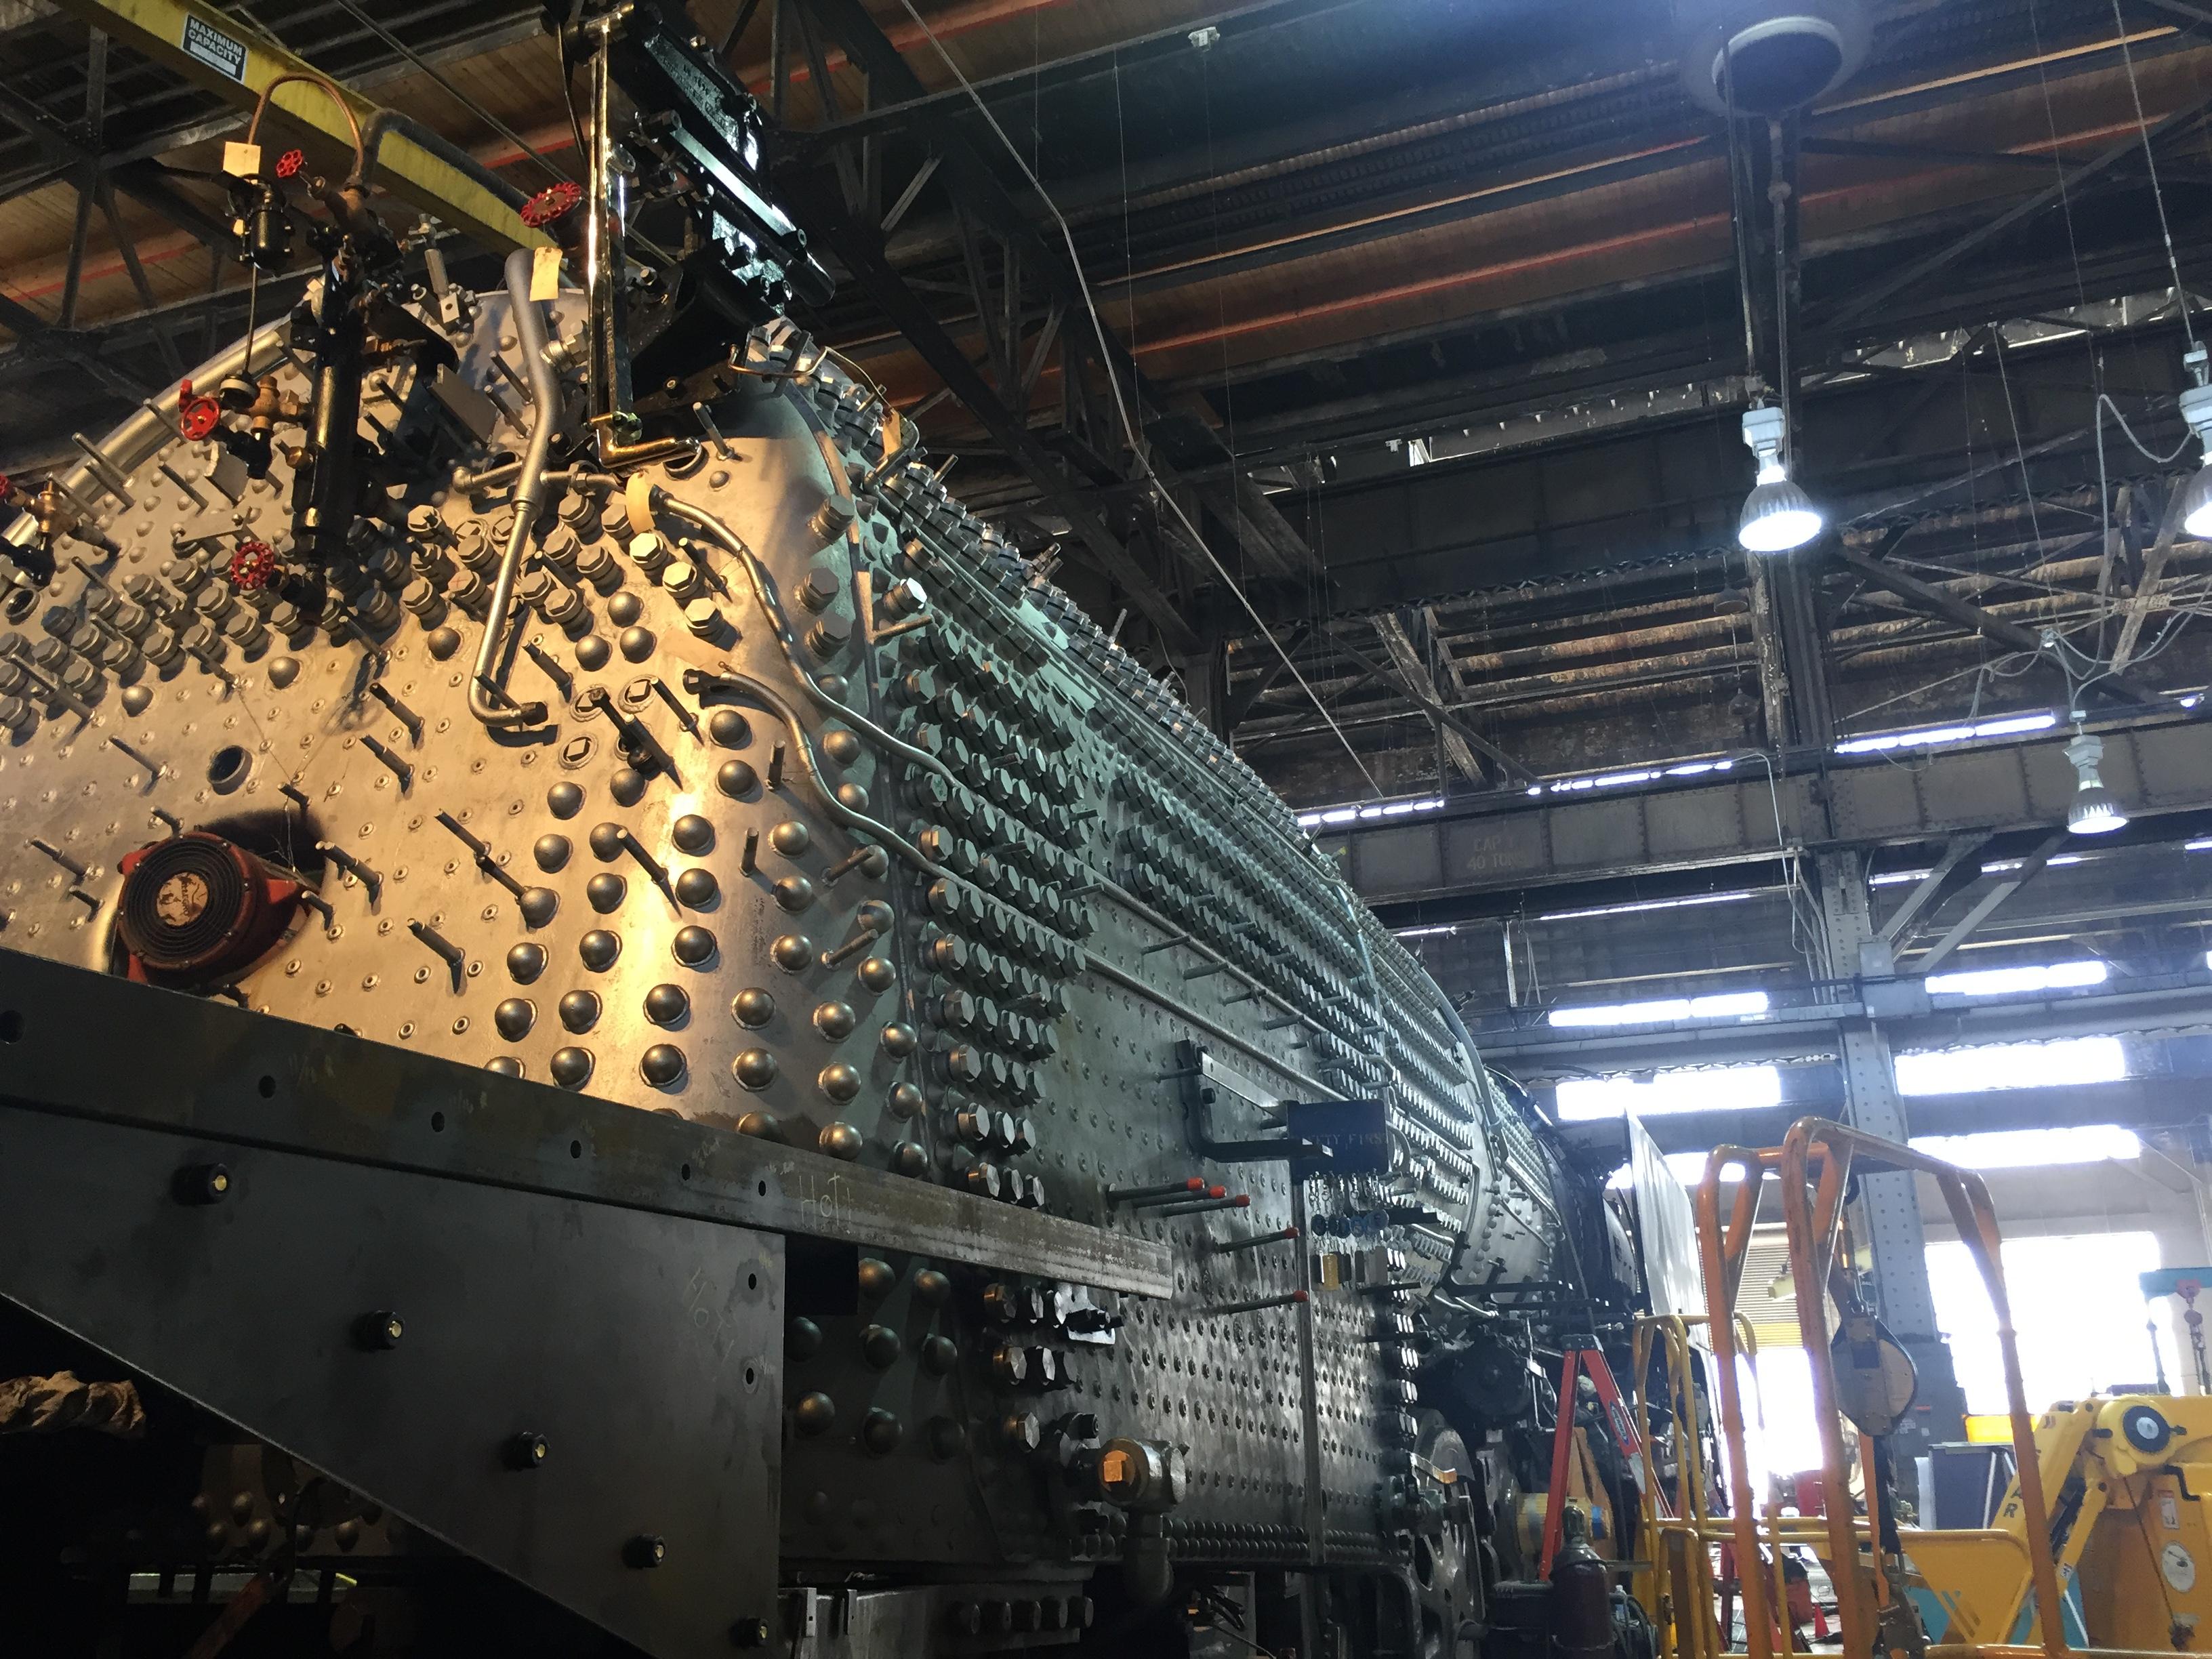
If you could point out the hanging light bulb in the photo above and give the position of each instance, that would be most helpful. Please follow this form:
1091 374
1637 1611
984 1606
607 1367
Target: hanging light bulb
2197 410
1777 514
2095 809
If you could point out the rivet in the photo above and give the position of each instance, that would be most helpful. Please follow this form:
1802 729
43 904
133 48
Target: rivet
605 841
906 1101
763 1125
790 838
877 973
663 1064
794 893
814 1414
940 1354
839 1140
899 1040
627 786
753 1007
579 1009
879 1346
564 801
839 1081
636 643
802 1339
515 1016
835 1020
792 952
877 1276
693 946
606 892
729 728
910 1157
667 1005
599 949
691 834
525 962
736 778
755 1068
842 746
571 1068
696 889
551 852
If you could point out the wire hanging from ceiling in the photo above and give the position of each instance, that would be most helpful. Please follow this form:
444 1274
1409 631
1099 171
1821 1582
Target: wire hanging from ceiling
2157 191
1138 451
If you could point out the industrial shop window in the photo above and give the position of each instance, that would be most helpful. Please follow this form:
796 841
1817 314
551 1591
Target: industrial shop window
1992 1066
2080 1318
1719 1088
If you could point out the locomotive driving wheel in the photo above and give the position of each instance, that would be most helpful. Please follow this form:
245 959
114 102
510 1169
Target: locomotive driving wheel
1447 1582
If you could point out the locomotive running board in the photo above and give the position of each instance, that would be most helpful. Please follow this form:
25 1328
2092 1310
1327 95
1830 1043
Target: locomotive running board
92 1045
406 1273
587 1397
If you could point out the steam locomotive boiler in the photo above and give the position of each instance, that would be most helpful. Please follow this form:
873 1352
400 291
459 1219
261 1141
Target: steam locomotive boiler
602 985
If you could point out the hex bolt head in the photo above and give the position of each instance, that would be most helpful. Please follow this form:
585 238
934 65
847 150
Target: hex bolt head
202 1183
379 1330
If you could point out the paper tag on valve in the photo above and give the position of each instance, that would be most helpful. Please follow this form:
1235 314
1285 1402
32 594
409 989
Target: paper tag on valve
546 272
243 161
894 431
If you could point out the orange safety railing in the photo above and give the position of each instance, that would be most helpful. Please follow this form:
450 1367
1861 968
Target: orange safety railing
1813 1167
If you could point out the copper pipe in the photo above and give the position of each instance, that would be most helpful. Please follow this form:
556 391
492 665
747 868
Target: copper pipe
323 83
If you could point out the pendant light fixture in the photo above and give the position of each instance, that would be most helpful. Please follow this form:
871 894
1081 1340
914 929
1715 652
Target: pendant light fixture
2095 809
2197 410
1778 516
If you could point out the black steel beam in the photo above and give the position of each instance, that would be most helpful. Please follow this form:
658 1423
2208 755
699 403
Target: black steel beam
143 181
39 338
859 247
2114 687
977 186
1872 299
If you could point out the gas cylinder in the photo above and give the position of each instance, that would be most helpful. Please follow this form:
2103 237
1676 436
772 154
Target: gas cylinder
1581 1593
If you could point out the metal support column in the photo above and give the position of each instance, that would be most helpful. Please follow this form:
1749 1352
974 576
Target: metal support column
1886 1219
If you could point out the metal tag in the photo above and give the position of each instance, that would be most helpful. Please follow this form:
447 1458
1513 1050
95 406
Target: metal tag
1358 1132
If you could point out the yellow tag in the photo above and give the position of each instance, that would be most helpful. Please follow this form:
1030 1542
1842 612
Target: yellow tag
894 431
546 272
243 159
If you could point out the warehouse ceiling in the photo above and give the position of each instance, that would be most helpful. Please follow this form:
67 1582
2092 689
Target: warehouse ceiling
1406 337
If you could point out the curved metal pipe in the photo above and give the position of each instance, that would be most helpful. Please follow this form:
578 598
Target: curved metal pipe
529 497
371 143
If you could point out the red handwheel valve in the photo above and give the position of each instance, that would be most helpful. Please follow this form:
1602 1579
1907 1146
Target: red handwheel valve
554 202
252 566
196 416
290 163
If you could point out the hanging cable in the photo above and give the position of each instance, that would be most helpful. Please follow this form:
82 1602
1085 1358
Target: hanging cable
1137 449
2150 162
452 91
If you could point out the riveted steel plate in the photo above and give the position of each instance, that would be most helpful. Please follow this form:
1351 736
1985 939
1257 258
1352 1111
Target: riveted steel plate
400 1331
